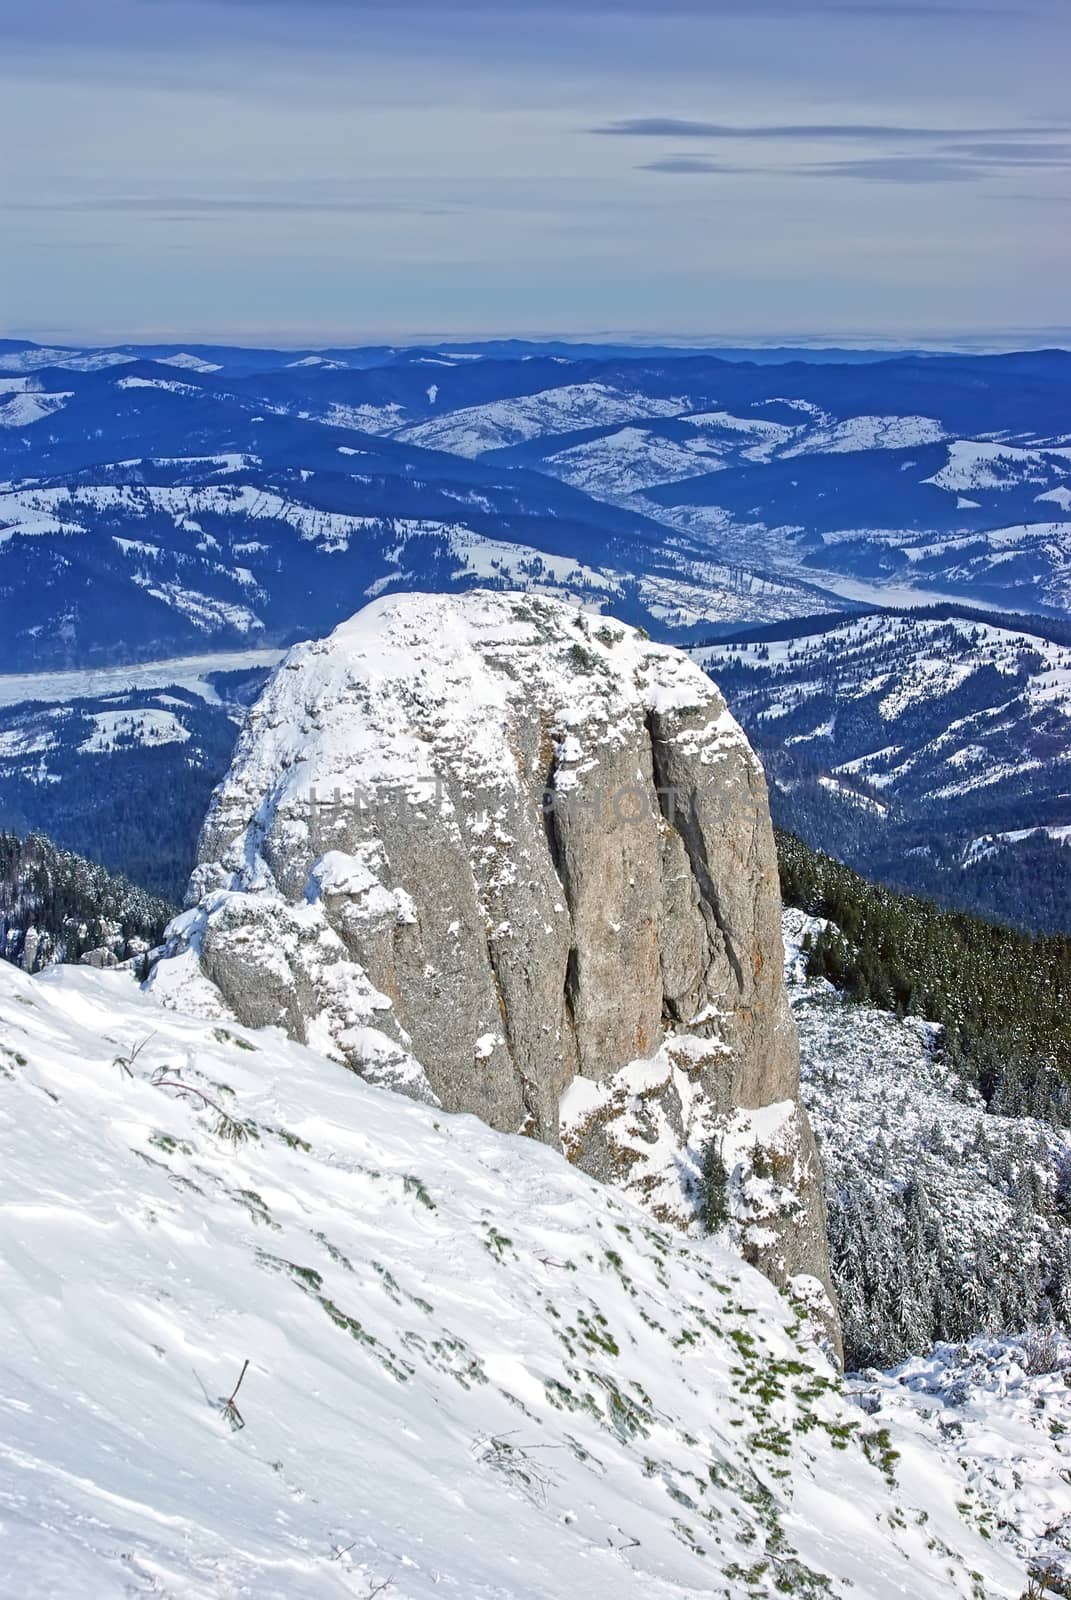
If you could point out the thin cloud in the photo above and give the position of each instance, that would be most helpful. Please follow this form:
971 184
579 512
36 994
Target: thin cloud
1015 153
952 165
937 168
697 164
901 169
192 206
686 128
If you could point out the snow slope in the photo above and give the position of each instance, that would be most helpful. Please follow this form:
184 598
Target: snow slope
72 510
985 464
1003 1404
36 356
472 1371
188 672
889 1110
869 433
623 463
475 429
152 727
25 408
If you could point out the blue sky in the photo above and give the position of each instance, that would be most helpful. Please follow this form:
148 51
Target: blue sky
325 170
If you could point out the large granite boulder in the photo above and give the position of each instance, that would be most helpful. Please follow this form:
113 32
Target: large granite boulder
506 855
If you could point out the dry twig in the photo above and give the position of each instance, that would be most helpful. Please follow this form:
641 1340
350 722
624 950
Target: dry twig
228 1407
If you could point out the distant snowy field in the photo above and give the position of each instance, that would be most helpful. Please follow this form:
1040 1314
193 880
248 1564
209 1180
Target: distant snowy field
185 672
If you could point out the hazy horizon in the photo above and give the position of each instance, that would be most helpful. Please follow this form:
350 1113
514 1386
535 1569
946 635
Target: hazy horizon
997 342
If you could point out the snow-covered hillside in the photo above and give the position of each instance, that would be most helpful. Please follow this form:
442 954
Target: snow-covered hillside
869 697
999 1407
620 464
893 1116
1030 562
25 407
471 1370
959 729
945 1217
473 430
221 550
56 906
125 776
820 480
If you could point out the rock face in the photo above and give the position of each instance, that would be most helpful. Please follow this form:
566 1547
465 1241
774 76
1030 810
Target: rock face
518 860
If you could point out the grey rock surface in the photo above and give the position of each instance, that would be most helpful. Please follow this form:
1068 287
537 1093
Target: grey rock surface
485 848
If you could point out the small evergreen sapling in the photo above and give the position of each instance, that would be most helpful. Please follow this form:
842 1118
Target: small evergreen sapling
714 1199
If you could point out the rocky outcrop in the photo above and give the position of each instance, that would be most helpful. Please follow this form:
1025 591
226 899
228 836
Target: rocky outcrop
514 858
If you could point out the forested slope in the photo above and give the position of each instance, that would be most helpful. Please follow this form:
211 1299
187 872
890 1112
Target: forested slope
55 906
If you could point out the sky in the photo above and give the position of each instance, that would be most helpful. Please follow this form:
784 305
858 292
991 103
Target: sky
327 171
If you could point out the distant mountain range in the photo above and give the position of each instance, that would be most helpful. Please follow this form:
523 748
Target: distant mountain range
931 751
122 772
169 501
166 501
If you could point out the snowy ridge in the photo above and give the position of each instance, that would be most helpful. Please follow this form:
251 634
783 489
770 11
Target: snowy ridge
832 474
475 429
623 463
187 672
37 356
151 727
986 464
232 548
26 407
56 510
701 592
449 1333
869 433
988 843
899 672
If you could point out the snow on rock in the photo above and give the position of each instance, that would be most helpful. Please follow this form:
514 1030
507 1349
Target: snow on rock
526 844
472 1371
